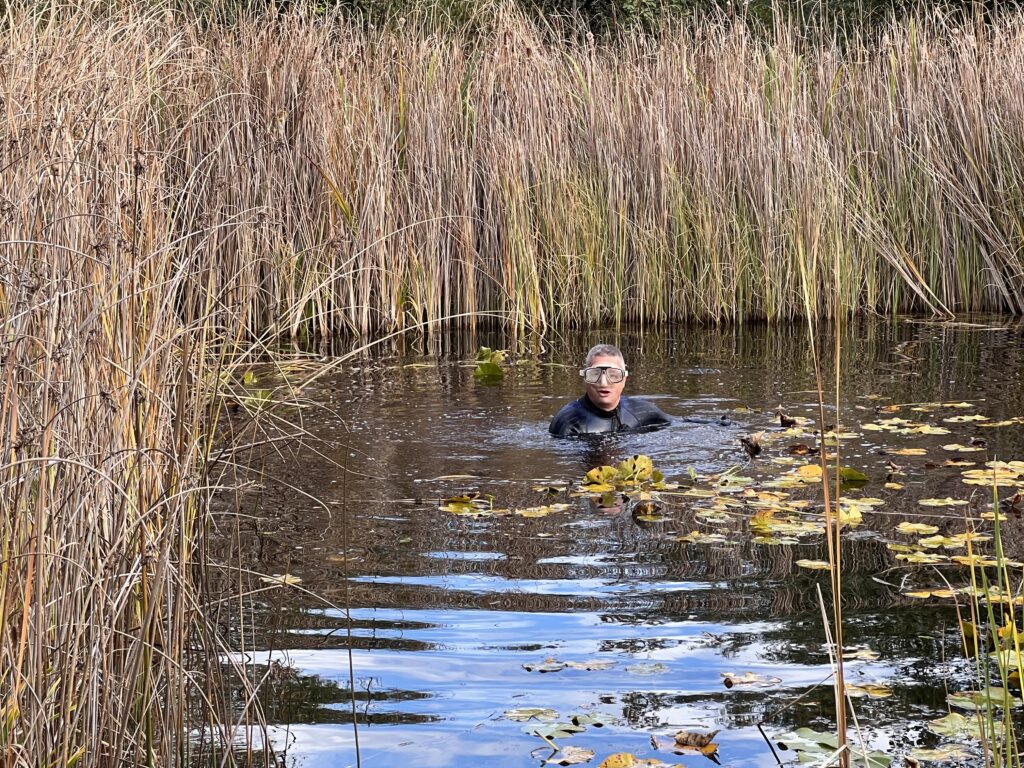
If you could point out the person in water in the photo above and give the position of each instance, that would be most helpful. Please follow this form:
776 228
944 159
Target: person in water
603 408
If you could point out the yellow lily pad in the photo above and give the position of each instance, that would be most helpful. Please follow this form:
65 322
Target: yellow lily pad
909 452
872 690
917 528
814 565
934 542
921 558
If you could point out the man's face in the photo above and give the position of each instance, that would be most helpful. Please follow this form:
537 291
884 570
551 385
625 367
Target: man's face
604 394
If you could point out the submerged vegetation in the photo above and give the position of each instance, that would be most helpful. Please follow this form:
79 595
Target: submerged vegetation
174 196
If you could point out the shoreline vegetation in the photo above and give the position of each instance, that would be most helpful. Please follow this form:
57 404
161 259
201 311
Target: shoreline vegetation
175 195
360 181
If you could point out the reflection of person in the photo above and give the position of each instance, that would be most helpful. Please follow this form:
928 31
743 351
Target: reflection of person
603 408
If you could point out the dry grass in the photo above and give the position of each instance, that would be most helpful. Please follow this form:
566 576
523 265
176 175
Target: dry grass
172 193
372 180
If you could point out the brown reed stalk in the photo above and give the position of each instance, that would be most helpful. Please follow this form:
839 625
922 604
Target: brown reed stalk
373 179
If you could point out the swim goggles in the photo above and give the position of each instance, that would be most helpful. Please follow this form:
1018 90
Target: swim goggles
593 375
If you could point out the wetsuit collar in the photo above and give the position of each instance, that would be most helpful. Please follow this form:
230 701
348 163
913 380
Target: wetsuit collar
613 413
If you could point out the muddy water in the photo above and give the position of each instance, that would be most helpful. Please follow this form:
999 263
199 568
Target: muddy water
433 616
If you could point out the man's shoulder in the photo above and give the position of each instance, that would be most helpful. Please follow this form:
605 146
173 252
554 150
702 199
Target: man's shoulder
644 410
568 419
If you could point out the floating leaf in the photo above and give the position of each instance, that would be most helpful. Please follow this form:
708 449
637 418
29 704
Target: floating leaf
626 760
893 486
946 502
591 665
850 515
983 699
872 690
636 469
814 565
731 680
646 668
570 756
809 471
919 593
595 719
815 747
600 476
696 537
934 542
554 730
851 475
619 760
488 372
977 561
468 509
972 536
954 725
941 754
861 654
522 714
1008 659
909 452
966 418
1008 634
916 528
694 739
541 511
961 448
928 429
921 558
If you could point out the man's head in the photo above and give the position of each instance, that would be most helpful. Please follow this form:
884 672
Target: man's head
604 375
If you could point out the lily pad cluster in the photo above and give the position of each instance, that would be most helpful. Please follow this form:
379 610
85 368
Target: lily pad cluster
776 499
632 477
488 365
547 724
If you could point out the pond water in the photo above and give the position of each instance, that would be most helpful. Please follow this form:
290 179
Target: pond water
441 619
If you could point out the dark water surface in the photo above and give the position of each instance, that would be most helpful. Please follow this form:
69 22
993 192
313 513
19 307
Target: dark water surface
445 611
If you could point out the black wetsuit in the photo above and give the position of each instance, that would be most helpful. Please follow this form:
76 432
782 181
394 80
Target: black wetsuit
582 417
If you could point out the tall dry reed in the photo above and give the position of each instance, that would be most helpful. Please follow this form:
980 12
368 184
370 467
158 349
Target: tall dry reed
171 193
372 180
111 357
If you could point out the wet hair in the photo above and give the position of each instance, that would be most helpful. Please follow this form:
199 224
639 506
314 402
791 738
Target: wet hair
604 350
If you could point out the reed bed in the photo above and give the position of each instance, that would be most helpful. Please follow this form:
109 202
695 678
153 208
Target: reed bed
173 195
371 180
